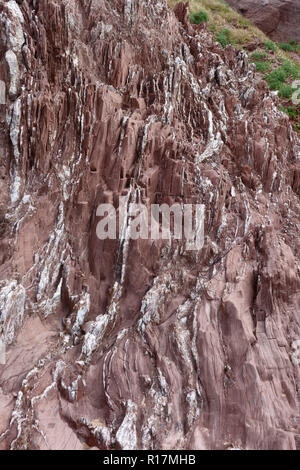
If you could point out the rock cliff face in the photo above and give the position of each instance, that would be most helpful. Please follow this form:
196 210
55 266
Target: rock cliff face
136 344
279 19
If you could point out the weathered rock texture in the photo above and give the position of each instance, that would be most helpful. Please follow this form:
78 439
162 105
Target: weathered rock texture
279 19
140 344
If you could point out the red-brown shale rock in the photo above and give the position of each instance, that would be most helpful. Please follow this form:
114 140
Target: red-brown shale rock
142 345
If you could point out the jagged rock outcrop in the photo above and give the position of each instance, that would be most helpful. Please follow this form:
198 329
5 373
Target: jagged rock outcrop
135 344
279 19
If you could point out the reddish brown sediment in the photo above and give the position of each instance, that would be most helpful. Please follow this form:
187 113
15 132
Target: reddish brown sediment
143 345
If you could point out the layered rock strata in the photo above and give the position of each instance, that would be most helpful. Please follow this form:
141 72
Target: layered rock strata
141 344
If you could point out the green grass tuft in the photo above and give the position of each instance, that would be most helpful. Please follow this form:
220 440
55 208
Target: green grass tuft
276 78
223 37
285 91
270 46
258 55
262 66
290 46
198 18
291 69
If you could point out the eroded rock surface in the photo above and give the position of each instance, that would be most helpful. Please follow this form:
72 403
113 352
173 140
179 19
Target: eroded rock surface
142 345
279 19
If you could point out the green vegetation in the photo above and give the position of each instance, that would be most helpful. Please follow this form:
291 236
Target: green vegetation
294 113
244 22
258 56
200 17
223 37
262 67
287 71
291 69
221 16
285 91
270 46
290 46
276 78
